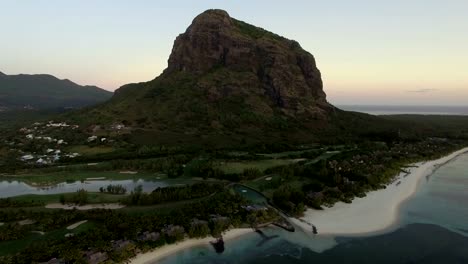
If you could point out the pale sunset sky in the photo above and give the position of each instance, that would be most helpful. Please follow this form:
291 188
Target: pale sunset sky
400 52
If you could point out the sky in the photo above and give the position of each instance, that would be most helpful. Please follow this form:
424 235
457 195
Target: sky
373 52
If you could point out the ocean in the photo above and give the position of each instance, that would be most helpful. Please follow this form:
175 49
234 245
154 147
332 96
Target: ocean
433 228
402 109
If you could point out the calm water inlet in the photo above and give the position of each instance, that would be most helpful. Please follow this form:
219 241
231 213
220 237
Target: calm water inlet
16 188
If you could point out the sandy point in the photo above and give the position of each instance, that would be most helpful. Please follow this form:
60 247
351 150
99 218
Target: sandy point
168 250
378 212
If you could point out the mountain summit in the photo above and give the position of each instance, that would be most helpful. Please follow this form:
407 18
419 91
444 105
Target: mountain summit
226 79
273 66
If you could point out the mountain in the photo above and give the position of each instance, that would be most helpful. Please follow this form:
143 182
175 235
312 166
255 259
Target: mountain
228 83
46 92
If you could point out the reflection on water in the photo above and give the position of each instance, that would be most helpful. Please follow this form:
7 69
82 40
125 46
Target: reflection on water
16 188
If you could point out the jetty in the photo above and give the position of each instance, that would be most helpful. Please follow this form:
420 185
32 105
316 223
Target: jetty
218 245
264 237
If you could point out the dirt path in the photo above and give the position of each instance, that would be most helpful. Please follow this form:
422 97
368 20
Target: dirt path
26 222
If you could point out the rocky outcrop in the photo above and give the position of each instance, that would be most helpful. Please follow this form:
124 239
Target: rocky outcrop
271 65
227 83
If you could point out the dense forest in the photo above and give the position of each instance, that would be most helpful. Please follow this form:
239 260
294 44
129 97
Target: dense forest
291 177
198 219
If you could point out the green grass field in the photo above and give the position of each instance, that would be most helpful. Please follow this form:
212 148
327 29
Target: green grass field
12 247
93 198
325 155
285 154
257 183
262 165
165 208
51 178
86 150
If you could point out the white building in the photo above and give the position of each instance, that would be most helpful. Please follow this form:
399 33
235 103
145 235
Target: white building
42 161
92 138
27 157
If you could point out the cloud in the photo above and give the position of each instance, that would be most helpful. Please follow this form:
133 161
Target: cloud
422 91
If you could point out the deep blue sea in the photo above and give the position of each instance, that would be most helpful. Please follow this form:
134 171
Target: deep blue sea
402 109
433 228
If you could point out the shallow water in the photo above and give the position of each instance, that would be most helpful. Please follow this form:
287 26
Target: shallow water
250 194
442 198
16 188
433 228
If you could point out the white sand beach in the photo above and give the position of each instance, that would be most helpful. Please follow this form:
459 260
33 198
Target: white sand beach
128 172
75 225
168 250
378 211
26 222
96 178
111 206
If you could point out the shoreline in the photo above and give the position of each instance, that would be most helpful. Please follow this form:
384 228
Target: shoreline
169 250
368 215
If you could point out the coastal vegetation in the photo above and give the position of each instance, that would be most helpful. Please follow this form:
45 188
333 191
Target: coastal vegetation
149 230
171 194
113 189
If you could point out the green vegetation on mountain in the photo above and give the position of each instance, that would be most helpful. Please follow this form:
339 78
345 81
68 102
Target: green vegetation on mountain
227 83
42 91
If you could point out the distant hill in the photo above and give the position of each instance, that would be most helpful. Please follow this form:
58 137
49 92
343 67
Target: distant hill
230 83
46 92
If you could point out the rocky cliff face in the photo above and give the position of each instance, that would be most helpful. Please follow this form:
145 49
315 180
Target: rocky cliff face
281 69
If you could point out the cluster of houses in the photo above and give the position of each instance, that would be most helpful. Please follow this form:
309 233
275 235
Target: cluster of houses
96 139
115 127
54 146
97 129
94 256
51 157
53 152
